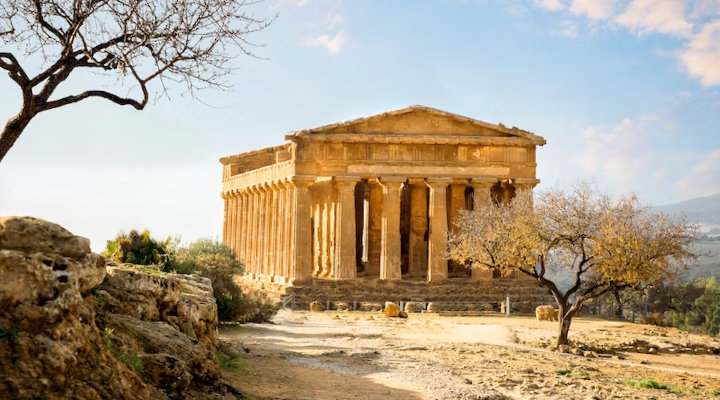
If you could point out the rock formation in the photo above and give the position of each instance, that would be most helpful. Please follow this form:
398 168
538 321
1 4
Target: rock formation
72 329
546 313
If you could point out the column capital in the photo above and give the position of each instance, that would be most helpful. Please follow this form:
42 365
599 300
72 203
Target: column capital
484 181
416 181
302 180
391 182
224 195
438 182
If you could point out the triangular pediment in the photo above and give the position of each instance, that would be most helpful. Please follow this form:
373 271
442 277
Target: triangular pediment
421 120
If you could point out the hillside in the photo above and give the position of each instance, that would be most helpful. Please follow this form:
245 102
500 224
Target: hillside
704 210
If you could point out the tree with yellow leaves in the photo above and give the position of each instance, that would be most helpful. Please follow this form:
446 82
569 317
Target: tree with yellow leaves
607 244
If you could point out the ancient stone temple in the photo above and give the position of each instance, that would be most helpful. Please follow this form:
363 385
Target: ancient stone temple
372 197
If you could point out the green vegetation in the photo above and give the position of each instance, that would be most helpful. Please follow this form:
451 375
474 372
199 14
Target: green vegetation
212 259
651 384
227 361
573 374
131 360
141 249
108 334
715 393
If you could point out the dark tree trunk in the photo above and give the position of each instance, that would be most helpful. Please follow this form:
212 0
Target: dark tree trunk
563 328
11 132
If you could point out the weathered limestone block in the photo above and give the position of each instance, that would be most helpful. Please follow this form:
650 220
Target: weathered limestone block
160 339
413 307
52 347
30 235
391 309
141 294
546 313
316 307
197 309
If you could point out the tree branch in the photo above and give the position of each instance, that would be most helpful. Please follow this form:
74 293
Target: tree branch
93 93
16 72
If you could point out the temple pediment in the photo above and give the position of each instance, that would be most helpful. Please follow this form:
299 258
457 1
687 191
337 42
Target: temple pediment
420 121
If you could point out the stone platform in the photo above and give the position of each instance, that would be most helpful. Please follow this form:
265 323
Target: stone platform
454 294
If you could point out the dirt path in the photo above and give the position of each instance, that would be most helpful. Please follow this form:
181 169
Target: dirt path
366 356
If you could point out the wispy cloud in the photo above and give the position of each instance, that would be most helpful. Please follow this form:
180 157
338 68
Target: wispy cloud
594 9
697 22
333 44
552 5
703 179
656 16
618 153
701 56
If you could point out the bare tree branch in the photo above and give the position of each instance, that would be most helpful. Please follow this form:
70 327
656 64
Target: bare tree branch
192 42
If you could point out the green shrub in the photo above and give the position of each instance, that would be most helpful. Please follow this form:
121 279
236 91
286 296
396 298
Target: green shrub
131 360
212 259
141 249
227 361
701 313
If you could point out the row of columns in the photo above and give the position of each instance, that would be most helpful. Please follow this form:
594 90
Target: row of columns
263 225
272 225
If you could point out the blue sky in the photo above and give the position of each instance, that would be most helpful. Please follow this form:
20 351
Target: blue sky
626 92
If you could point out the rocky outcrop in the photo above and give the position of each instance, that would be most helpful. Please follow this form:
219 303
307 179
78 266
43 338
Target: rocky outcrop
50 342
72 328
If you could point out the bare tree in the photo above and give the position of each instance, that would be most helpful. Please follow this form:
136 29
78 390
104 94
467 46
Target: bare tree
143 41
606 245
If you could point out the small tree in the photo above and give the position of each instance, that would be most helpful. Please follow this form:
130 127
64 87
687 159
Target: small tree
212 259
607 245
189 41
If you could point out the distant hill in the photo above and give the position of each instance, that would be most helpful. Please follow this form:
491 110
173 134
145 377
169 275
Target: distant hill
705 210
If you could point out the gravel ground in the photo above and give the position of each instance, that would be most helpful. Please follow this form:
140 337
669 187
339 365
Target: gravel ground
366 356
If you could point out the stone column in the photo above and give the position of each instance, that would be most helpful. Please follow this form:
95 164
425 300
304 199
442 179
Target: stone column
481 189
417 249
260 238
437 243
273 229
375 228
253 232
233 219
317 238
287 230
267 230
279 232
390 236
345 234
325 244
245 225
239 231
225 218
301 260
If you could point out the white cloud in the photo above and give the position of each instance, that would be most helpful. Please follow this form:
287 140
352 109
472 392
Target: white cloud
701 56
333 44
617 153
594 9
656 16
551 5
703 179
